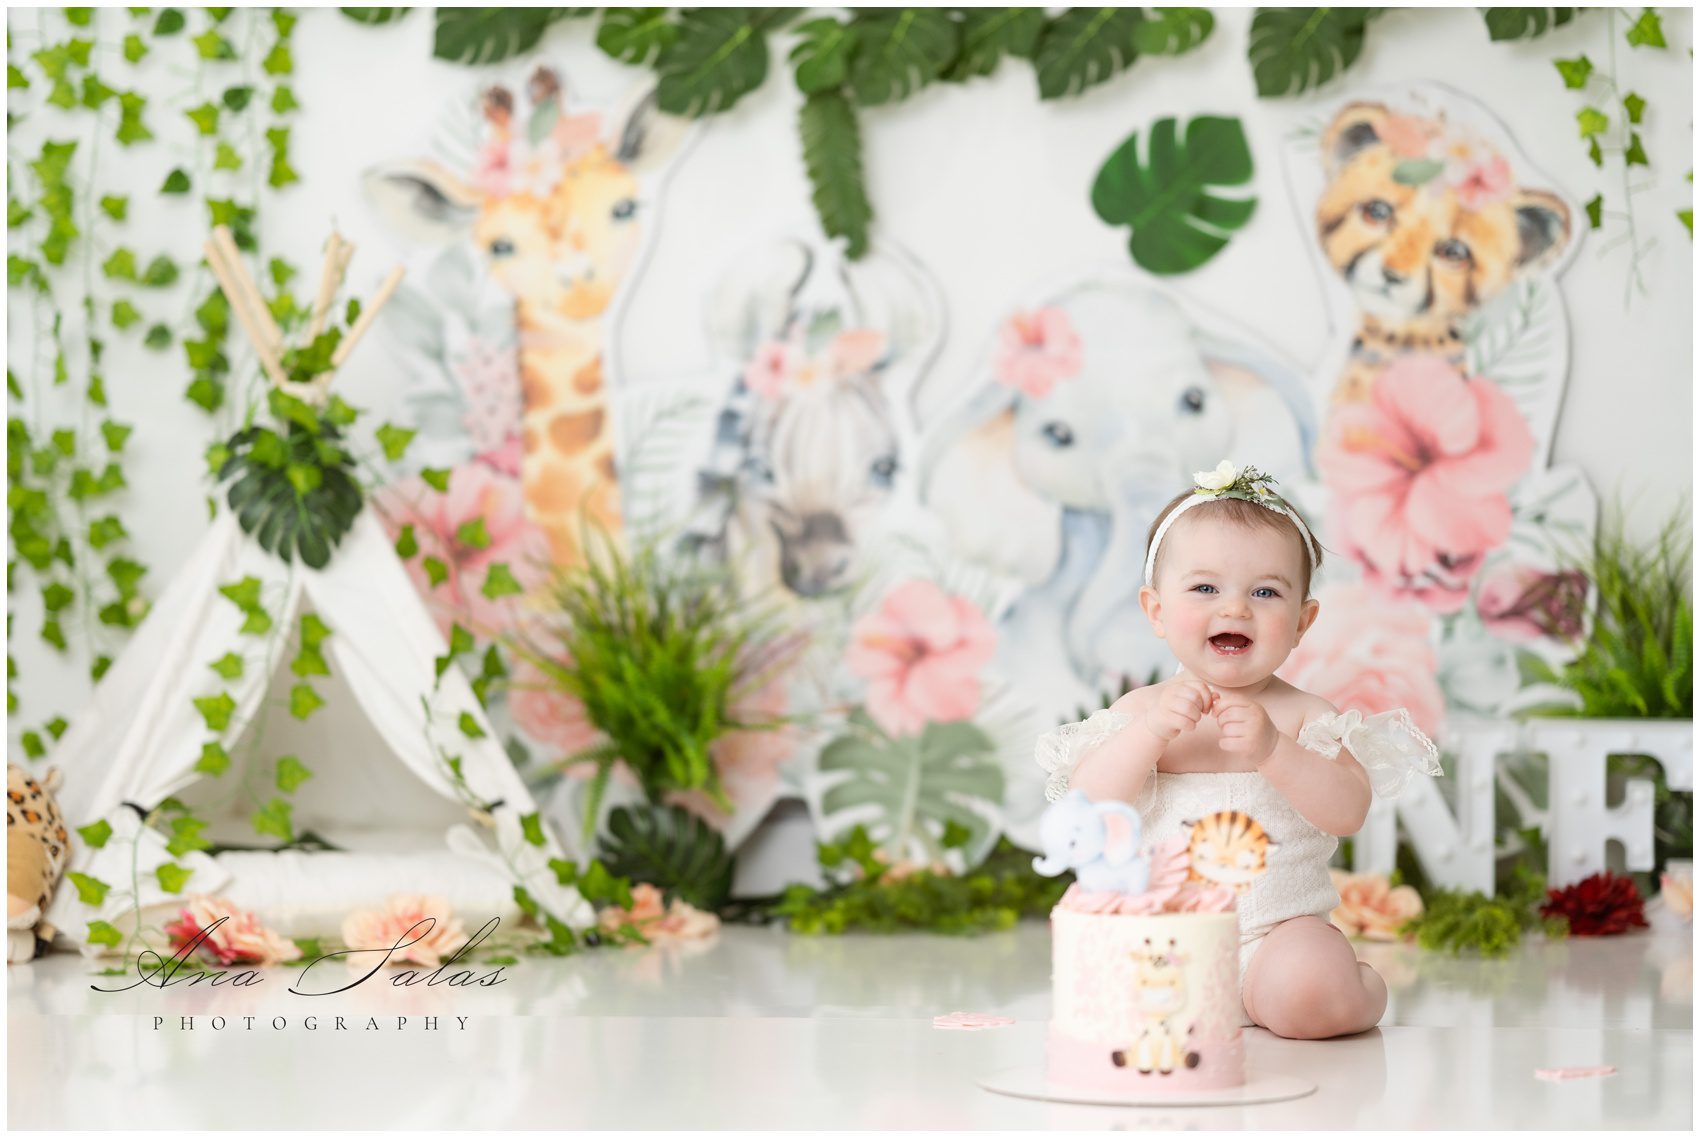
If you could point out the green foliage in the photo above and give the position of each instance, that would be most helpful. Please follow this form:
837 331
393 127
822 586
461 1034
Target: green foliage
1294 50
1084 47
375 16
95 834
1175 31
832 154
1455 920
672 849
1002 891
1172 197
718 56
916 785
635 35
659 652
990 34
1638 660
273 820
489 35
293 489
1524 23
899 50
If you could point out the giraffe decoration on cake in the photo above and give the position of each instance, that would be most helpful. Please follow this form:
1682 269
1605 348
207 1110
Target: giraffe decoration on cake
556 205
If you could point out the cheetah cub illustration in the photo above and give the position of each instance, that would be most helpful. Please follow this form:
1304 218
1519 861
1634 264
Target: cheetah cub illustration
1228 848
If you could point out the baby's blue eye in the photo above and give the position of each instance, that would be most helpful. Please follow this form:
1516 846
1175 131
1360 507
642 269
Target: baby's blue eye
1267 589
1200 588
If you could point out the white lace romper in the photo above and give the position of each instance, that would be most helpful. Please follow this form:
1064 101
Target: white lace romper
1296 882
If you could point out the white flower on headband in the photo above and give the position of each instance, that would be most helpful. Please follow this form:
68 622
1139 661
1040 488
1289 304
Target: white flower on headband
1216 480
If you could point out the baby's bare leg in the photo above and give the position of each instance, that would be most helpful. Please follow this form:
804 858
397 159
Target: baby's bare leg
1305 982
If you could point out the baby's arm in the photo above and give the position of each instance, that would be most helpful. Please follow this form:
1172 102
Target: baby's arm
1118 767
1331 794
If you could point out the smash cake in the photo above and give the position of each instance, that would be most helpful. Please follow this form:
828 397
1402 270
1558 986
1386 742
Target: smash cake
1145 981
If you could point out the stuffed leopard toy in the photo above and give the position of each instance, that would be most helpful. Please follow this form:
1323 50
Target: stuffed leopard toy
37 850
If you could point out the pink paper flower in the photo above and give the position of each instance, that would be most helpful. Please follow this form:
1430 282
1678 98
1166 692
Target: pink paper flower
240 939
1036 351
397 920
921 652
1419 476
1521 602
1370 907
1678 893
476 493
1371 654
658 922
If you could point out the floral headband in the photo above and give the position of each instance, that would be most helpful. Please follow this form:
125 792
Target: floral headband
1248 484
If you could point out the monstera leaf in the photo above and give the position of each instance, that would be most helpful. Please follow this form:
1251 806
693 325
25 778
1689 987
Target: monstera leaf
1175 31
671 849
719 56
293 489
1084 47
989 34
632 35
1170 196
898 50
1524 23
913 781
1295 49
490 35
832 153
375 16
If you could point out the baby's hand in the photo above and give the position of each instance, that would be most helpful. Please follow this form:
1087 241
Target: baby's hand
1179 707
1246 728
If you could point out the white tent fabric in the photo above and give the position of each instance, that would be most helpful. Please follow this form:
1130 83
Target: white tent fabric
140 737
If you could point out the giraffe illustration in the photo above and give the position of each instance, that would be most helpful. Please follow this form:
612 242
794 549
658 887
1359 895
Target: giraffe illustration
555 206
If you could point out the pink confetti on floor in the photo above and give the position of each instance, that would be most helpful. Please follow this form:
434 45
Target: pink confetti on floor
970 1021
1560 1074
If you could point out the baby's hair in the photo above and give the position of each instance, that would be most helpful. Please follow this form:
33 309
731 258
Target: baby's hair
1247 515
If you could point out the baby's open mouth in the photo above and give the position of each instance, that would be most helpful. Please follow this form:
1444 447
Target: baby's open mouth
1230 643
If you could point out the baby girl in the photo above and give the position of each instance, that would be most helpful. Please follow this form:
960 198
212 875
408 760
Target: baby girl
1227 583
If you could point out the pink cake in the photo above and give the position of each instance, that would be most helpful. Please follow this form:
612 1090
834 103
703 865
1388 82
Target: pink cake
1146 988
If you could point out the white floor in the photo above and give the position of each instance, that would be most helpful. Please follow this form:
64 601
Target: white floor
764 1030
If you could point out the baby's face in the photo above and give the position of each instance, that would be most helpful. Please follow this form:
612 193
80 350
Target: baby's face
1230 601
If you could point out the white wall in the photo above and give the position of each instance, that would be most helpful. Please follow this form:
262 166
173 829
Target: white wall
988 188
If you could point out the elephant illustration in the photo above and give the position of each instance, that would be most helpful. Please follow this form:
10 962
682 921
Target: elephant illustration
1098 840
1092 411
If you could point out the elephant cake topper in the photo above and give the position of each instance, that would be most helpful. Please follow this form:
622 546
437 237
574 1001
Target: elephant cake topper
1116 873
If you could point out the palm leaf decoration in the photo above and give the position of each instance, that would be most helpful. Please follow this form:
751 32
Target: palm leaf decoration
1524 23
672 849
490 35
1175 31
718 57
1171 197
822 55
899 50
832 153
1084 47
989 34
293 490
915 785
633 35
1298 49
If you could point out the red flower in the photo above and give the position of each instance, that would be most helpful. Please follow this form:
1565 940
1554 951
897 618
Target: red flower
1601 905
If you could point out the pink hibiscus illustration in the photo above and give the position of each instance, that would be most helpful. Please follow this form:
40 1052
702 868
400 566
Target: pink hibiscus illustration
1521 602
1372 654
549 716
771 366
1036 351
446 527
1481 183
921 652
1419 475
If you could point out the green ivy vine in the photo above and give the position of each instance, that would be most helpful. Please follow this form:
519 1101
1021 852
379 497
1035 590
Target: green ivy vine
91 279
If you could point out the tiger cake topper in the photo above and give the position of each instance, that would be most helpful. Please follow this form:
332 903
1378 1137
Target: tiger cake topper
1229 849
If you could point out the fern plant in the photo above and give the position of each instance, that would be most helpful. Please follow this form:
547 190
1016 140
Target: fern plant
661 652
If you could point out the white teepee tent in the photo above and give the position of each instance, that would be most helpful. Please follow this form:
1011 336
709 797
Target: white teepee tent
383 790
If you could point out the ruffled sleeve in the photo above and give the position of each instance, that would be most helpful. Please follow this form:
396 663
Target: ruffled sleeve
1060 750
1388 745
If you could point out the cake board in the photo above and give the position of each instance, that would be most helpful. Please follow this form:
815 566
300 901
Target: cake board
1030 1082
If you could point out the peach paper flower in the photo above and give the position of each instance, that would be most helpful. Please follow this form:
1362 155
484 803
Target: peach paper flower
1678 893
678 921
241 939
1370 654
921 652
1036 351
393 923
1419 476
1370 908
